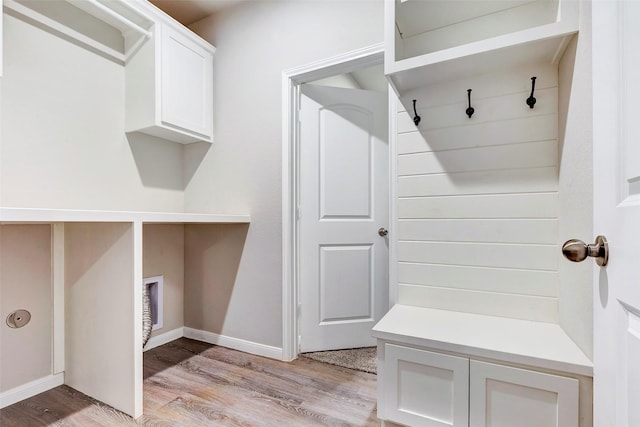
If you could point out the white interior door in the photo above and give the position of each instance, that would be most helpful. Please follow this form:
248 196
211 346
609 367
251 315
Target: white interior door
343 202
616 150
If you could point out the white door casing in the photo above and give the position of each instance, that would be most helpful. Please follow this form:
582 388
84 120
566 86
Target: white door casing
616 152
343 201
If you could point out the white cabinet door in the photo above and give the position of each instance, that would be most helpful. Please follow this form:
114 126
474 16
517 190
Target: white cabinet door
424 388
505 397
186 83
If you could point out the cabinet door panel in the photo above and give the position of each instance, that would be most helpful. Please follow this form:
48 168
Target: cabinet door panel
504 397
186 84
425 388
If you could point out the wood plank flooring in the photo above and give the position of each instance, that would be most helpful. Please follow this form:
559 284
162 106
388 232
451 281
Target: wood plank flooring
190 383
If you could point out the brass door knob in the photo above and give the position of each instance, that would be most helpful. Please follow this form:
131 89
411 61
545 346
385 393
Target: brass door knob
576 250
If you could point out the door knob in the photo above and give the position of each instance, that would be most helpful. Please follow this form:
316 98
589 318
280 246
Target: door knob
576 250
382 231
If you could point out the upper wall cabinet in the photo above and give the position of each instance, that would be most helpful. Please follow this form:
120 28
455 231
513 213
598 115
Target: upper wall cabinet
168 69
430 41
169 85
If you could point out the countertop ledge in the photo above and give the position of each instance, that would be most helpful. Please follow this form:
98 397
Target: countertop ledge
536 344
32 215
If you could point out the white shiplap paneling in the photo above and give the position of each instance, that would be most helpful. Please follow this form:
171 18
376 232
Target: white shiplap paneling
523 155
477 197
526 307
540 128
503 280
528 205
486 85
500 255
534 180
523 231
508 107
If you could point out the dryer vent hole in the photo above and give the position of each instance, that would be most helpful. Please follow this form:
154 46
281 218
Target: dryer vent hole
155 287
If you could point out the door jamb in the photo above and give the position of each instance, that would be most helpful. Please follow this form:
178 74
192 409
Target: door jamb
291 81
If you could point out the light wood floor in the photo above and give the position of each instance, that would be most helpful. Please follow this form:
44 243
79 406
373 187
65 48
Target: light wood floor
189 383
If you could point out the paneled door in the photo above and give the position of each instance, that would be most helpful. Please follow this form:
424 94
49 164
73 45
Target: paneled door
616 198
343 203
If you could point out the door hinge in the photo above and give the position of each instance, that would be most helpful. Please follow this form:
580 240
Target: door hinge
298 213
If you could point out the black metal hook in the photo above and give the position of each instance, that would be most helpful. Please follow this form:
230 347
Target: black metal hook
470 109
416 117
531 101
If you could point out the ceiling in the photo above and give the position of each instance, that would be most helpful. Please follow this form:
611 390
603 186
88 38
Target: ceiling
189 11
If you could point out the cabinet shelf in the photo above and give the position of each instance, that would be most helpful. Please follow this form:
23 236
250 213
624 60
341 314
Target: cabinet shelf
541 43
114 29
29 215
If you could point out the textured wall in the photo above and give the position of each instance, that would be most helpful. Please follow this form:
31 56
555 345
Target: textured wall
25 283
242 171
63 140
163 255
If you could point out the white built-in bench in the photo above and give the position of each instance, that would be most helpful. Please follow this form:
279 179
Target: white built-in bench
446 368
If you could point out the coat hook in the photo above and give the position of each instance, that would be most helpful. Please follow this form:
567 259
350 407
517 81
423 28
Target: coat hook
531 101
470 110
416 117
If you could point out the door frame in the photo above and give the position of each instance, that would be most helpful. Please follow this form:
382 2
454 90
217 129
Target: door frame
291 81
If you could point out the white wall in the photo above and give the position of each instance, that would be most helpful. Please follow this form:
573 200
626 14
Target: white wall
25 283
163 255
63 140
255 42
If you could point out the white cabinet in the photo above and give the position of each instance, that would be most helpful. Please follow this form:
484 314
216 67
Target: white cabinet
503 396
425 388
443 368
168 68
186 83
169 86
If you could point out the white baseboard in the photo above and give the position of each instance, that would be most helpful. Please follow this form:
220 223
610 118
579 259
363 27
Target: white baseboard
212 338
234 343
30 389
164 338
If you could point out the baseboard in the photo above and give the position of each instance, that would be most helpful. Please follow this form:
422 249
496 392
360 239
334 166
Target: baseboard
30 389
164 338
234 343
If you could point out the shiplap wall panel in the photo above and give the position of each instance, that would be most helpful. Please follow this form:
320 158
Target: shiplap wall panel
530 205
487 109
541 128
527 307
514 81
534 180
524 155
478 197
503 280
524 231
500 255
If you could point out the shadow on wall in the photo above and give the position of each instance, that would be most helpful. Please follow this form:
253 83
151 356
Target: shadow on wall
165 164
211 262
